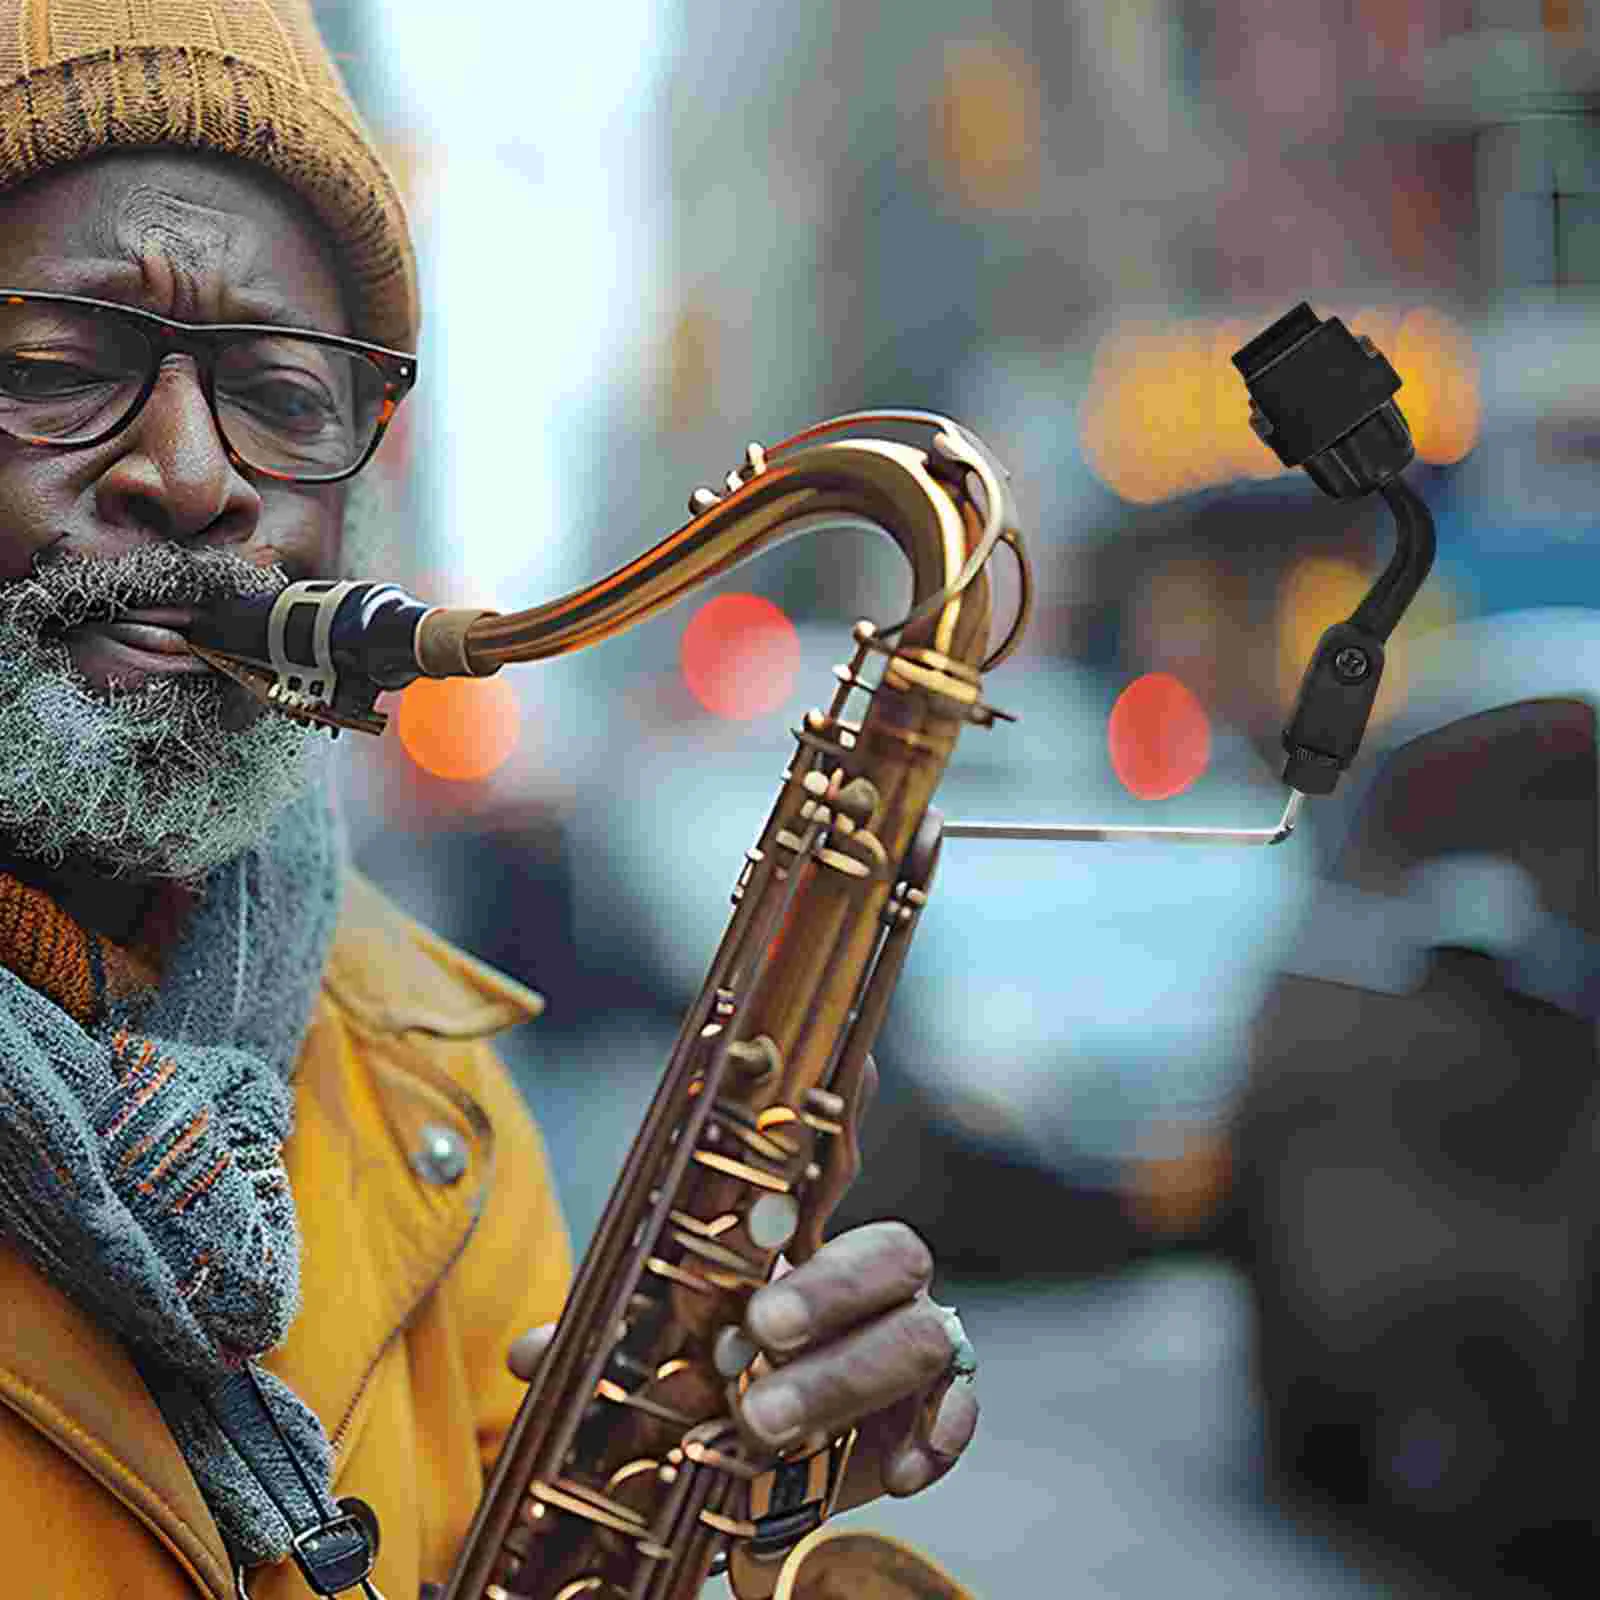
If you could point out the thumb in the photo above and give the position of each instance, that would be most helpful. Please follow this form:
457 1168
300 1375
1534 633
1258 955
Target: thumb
527 1352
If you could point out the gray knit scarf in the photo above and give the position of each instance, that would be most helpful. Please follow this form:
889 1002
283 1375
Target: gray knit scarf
143 1173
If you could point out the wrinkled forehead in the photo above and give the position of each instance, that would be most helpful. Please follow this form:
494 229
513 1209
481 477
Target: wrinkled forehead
194 236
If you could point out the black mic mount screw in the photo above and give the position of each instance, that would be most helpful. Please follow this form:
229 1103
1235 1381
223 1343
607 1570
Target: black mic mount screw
1351 664
1322 399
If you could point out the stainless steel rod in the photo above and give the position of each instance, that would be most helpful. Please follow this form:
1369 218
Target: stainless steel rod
1114 832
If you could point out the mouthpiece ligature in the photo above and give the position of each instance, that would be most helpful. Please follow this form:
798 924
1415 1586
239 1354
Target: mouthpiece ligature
322 651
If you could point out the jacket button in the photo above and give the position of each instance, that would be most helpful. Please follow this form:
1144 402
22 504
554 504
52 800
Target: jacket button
442 1157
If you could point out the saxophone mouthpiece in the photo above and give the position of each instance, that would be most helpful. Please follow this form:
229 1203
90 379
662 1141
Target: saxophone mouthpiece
323 651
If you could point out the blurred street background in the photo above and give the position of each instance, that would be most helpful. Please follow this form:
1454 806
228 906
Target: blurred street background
653 230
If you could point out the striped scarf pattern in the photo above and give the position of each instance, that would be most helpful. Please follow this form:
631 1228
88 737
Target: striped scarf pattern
145 1098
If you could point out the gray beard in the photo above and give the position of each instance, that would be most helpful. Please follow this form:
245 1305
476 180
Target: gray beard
157 781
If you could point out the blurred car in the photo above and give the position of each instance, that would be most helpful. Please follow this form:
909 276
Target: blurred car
1415 1143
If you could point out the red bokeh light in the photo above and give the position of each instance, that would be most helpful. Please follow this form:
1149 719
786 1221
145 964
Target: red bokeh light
1159 737
740 656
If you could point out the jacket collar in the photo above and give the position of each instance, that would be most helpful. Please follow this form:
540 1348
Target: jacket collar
356 1135
420 983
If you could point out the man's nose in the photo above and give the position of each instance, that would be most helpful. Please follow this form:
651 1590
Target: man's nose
172 478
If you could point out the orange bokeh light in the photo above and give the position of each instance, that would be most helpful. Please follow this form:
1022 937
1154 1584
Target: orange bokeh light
740 656
1159 737
986 125
462 729
1441 398
1177 1179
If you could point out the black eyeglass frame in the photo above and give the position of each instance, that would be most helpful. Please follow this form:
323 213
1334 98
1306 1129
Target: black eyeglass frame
204 341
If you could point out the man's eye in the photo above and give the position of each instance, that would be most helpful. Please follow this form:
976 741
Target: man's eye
287 402
47 377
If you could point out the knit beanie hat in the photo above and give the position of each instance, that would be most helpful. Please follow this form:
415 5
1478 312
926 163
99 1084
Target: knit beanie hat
244 78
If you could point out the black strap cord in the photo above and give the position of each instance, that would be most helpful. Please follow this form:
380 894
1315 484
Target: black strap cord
334 1543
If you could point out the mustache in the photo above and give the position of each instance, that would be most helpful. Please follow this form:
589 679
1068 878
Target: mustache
67 590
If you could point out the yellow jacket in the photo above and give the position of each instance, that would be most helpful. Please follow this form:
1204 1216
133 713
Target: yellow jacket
414 1284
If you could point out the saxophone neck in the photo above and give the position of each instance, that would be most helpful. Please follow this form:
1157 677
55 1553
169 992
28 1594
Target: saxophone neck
921 499
322 650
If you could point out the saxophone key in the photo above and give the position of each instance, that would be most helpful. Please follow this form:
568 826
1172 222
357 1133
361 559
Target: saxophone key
743 1171
772 1220
707 1230
719 1255
821 1124
569 1495
534 1516
706 1455
847 865
676 1274
577 1589
756 1058
825 1101
858 800
734 1527
609 1389
769 1149
733 1281
637 1485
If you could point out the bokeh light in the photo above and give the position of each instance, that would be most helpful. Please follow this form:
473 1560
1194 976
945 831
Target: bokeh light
1159 737
986 125
740 656
1178 1178
1166 414
1442 398
1181 611
462 729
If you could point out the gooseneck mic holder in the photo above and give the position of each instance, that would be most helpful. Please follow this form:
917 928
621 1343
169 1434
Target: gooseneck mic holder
1322 399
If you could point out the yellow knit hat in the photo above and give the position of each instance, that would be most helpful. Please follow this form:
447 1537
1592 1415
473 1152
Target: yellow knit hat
245 78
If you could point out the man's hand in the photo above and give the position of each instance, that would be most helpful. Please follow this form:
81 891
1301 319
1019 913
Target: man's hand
850 1339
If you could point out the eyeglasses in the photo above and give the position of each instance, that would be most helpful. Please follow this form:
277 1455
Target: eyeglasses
299 406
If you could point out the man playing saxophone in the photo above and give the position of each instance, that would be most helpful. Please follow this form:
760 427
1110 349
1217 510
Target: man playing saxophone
271 1213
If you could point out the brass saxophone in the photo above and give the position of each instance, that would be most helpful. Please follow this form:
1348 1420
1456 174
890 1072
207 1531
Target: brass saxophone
624 1474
